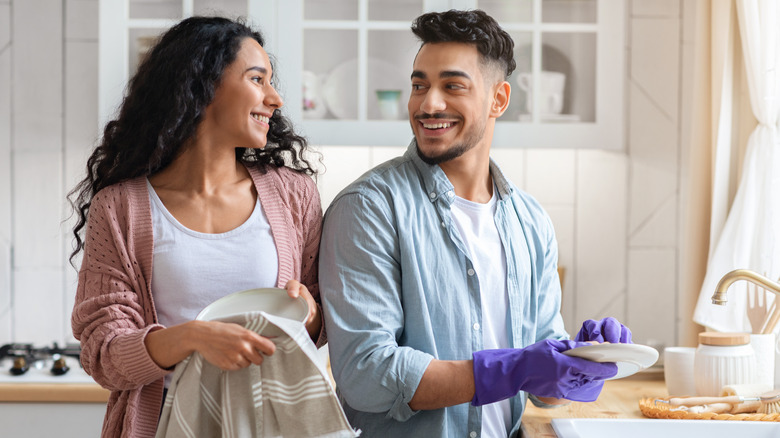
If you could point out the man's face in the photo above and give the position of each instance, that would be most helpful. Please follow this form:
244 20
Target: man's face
450 101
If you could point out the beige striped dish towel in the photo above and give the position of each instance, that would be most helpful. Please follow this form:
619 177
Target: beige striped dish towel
288 395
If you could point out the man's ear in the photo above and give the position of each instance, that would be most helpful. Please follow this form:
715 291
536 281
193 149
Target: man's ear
501 92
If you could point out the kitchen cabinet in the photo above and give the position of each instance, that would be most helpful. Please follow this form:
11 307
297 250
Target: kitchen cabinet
343 66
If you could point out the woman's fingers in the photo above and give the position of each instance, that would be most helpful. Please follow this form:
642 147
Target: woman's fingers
230 346
294 288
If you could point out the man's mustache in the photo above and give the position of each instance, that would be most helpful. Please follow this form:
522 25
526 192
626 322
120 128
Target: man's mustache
436 116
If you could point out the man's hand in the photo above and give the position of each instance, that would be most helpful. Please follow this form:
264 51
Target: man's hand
604 330
540 369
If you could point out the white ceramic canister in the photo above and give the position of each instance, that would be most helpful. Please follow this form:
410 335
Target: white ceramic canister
723 359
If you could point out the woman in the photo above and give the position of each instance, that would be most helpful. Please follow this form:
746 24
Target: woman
198 189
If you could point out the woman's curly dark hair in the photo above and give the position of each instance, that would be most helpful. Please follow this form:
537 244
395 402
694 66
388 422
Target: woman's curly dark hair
472 27
165 103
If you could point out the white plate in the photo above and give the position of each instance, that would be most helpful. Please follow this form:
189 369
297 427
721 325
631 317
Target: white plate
340 88
630 358
271 300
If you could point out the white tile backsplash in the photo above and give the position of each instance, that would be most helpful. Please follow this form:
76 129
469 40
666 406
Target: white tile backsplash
343 164
6 326
652 134
512 164
600 247
5 26
5 145
659 230
550 175
651 187
656 8
380 154
81 95
81 19
652 303
37 189
654 155
5 277
655 65
37 312
563 220
38 59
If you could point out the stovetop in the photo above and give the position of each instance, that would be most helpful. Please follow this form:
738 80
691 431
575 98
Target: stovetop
25 363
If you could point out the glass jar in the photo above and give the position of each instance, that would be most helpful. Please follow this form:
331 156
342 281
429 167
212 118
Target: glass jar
723 359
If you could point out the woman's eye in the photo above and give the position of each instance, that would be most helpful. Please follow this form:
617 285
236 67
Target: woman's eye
257 79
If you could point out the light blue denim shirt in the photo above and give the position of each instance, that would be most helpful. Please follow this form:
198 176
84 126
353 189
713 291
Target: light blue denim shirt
398 290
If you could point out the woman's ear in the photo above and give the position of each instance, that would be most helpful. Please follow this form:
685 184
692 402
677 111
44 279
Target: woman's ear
501 93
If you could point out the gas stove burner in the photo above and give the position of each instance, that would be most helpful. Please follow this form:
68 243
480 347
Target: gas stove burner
60 367
20 367
26 355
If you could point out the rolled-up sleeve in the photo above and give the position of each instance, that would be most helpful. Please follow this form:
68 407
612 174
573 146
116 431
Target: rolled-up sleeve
360 285
549 320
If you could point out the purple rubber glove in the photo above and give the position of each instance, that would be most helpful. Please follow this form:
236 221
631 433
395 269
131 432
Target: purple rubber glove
605 330
540 369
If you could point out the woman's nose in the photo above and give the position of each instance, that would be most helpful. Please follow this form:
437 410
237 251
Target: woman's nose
273 99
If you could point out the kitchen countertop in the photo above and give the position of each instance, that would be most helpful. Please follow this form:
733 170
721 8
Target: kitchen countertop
618 399
53 392
39 385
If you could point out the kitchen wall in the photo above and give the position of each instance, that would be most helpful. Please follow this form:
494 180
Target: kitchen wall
616 214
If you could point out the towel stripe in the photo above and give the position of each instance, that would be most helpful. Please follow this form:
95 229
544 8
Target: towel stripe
181 421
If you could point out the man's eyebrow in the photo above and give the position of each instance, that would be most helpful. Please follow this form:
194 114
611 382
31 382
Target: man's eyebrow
445 74
454 73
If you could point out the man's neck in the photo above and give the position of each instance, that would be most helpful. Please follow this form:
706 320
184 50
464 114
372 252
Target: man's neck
470 175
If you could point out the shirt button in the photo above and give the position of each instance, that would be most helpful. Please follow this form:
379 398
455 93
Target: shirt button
432 195
471 272
473 434
476 326
443 225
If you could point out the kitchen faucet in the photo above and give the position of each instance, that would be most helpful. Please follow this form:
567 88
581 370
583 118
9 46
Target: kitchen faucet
719 297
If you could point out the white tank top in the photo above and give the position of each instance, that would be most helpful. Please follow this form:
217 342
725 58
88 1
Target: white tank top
476 224
190 269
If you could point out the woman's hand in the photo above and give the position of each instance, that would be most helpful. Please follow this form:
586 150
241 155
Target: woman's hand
231 347
314 320
227 346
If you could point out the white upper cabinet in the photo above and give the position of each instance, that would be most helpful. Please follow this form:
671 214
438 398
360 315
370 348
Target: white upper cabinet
343 66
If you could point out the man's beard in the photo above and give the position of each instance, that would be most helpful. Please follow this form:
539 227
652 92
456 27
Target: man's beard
456 150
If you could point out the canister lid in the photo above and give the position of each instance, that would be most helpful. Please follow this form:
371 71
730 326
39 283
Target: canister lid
717 338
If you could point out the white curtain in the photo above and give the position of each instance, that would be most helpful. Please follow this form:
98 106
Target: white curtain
750 236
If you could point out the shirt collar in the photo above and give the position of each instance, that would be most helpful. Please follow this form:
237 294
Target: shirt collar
437 184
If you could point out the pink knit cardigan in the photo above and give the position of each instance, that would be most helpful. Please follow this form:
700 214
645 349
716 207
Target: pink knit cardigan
114 309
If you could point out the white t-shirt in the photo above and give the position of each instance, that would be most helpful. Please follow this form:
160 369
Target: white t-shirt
476 225
190 270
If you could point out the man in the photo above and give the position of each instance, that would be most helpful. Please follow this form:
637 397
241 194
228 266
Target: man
438 276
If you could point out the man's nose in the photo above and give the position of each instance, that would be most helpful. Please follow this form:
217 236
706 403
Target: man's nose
433 102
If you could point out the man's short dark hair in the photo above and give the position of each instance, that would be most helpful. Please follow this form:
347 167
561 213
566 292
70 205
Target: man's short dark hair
471 27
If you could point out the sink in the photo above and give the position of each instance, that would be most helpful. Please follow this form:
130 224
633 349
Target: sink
653 428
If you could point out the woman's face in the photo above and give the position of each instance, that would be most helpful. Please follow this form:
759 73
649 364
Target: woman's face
244 100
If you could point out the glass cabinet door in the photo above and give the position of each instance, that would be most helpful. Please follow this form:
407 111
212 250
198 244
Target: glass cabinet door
343 66
346 67
353 59
129 28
